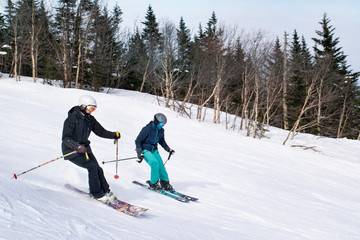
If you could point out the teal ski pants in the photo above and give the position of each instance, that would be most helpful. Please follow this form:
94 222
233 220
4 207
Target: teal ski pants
158 170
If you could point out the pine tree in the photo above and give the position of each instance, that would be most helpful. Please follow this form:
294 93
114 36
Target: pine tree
3 29
184 46
153 40
236 83
338 109
136 55
210 31
64 36
46 61
151 33
306 60
107 49
297 86
4 50
275 70
326 47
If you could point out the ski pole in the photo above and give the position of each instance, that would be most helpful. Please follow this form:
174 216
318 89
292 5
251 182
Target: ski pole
171 152
123 159
117 158
16 175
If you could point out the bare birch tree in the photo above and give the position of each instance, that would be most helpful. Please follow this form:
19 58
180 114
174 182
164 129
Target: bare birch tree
285 82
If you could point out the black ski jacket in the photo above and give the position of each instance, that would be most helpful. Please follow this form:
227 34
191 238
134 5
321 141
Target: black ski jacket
76 131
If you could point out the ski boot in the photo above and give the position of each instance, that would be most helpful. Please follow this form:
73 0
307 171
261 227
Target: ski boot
103 199
165 185
154 186
111 196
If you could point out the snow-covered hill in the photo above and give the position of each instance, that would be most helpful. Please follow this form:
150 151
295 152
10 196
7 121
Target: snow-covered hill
249 189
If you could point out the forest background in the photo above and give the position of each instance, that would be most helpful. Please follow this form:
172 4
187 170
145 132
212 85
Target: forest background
279 81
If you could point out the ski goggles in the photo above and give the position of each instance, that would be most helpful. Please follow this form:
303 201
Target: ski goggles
90 108
161 124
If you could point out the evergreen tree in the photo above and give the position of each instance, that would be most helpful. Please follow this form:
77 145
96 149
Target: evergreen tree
107 50
10 21
210 48
3 29
275 72
65 39
5 53
338 109
306 61
136 55
297 86
326 47
236 83
210 31
46 60
151 33
200 35
153 41
184 45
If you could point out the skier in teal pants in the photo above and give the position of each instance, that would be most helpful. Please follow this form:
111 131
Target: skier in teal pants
146 148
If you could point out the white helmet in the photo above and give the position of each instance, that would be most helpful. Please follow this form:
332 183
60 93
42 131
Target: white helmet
87 100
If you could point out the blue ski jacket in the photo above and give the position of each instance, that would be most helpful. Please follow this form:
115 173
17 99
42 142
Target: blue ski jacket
150 136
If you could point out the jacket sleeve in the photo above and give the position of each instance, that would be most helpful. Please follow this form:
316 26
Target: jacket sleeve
141 138
102 132
68 130
163 143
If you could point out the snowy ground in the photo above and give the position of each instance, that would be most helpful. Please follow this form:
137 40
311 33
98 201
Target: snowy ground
249 189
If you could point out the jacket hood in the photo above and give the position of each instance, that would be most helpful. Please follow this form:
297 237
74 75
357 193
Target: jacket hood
77 112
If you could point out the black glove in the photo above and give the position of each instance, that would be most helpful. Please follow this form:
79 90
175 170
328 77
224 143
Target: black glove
171 151
117 135
140 156
81 149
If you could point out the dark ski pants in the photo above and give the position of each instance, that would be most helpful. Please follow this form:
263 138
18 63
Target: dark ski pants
97 182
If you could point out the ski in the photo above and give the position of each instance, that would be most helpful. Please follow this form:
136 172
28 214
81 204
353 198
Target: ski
193 199
119 205
162 192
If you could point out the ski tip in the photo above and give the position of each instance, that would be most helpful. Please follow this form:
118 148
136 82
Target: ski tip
15 176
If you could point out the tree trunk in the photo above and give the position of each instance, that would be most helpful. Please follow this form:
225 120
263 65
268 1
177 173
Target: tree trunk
33 61
145 75
319 112
16 59
256 104
342 116
284 97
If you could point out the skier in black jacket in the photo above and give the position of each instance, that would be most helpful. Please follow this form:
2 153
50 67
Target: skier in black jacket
77 128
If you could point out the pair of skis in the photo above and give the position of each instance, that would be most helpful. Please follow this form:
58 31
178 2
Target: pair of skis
118 205
172 194
134 210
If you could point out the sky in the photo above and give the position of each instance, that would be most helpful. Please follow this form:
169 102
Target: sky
273 16
248 189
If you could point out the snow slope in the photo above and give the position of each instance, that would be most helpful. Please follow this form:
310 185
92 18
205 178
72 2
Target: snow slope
249 189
